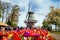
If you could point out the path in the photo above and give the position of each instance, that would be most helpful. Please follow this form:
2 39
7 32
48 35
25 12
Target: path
56 36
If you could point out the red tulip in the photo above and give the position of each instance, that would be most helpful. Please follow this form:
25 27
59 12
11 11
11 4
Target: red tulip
39 39
0 33
44 38
4 38
21 32
38 32
32 34
50 38
16 37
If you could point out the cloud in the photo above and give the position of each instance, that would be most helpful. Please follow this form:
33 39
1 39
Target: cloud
39 1
23 4
5 0
35 4
22 18
39 19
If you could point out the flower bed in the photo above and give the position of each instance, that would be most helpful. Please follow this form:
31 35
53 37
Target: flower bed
26 34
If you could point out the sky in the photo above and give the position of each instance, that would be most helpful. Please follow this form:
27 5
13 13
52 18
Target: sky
41 8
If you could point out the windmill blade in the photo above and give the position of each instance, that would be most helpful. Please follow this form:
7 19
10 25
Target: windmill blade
28 11
29 8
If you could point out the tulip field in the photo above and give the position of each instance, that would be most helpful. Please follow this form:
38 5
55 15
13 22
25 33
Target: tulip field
26 34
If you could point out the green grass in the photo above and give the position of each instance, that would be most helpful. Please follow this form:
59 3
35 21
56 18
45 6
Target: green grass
55 32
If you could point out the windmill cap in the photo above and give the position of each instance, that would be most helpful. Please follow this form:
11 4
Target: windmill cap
30 12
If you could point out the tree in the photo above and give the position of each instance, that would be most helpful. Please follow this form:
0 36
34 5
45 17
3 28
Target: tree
4 8
14 15
9 20
45 24
54 16
0 9
7 7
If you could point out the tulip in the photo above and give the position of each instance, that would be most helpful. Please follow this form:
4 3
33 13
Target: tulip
10 35
25 38
21 32
39 39
16 37
26 34
50 38
32 34
44 38
37 35
34 30
4 38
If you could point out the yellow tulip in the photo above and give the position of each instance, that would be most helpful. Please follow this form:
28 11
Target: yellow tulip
10 35
49 34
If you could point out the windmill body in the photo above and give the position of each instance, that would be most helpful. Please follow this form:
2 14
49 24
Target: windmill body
30 21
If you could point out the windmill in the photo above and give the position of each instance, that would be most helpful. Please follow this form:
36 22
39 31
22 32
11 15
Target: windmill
30 21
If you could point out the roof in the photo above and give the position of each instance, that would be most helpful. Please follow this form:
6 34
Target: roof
3 24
